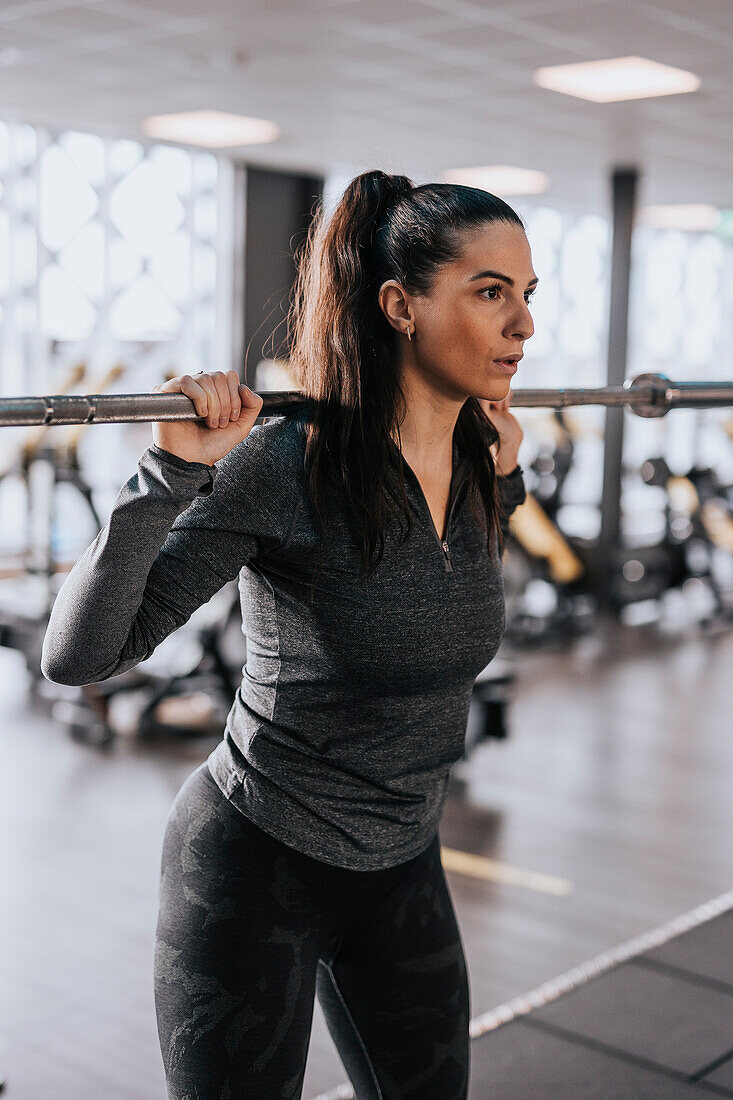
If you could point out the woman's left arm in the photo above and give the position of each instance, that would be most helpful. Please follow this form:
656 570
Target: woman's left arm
505 451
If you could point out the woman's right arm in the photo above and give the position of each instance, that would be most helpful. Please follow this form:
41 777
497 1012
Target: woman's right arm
137 583
178 531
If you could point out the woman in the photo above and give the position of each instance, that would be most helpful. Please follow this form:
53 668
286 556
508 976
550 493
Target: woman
303 856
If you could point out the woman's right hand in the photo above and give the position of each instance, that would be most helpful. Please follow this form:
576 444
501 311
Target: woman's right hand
229 407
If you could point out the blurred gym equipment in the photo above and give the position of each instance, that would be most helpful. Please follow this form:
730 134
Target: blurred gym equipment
698 515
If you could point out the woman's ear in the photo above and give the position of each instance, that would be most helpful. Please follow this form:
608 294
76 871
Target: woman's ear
394 305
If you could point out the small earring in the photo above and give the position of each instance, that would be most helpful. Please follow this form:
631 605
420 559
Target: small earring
409 337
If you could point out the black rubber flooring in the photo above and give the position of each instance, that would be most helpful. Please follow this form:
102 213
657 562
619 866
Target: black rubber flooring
659 1024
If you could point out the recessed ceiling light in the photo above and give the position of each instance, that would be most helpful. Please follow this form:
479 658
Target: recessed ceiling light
214 129
500 179
616 78
691 216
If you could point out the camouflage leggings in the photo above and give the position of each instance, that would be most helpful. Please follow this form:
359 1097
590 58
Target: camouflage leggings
249 930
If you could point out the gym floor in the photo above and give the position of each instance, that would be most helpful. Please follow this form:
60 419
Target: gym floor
605 814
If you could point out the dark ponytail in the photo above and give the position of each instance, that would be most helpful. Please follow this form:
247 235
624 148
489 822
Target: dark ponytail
343 351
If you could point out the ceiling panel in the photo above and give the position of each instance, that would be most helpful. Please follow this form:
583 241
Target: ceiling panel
703 17
413 85
15 37
410 14
403 55
608 31
511 40
76 19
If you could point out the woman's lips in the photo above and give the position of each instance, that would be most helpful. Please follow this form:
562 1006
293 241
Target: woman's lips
506 365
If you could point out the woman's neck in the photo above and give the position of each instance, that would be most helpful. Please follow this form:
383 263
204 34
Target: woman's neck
426 431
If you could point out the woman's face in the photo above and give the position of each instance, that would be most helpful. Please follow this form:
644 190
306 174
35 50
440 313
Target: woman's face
469 318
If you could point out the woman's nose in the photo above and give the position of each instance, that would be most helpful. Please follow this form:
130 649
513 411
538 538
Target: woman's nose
524 326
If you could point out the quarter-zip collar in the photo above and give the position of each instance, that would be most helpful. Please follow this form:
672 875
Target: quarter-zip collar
458 477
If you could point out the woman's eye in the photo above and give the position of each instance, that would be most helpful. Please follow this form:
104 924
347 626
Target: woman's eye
497 286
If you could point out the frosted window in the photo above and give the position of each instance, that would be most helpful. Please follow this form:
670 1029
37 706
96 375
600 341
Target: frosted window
205 271
123 156
23 145
24 255
109 254
171 267
174 166
205 171
679 325
83 260
125 263
142 313
145 209
67 201
26 315
205 322
87 153
65 313
23 195
4 253
204 214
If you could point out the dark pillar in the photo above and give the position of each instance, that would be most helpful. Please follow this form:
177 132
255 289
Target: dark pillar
624 185
277 211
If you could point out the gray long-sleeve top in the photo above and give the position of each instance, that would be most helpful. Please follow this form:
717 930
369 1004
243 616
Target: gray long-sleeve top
351 710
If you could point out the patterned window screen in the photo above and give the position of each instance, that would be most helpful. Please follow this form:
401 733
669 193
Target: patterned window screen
111 252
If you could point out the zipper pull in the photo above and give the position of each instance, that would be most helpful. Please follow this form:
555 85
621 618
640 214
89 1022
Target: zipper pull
446 552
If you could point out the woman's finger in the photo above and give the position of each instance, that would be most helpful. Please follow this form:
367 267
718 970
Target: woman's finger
222 391
234 395
209 387
197 393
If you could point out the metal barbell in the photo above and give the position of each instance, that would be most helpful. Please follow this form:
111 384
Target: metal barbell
648 395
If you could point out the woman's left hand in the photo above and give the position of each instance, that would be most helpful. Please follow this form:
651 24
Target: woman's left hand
506 449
